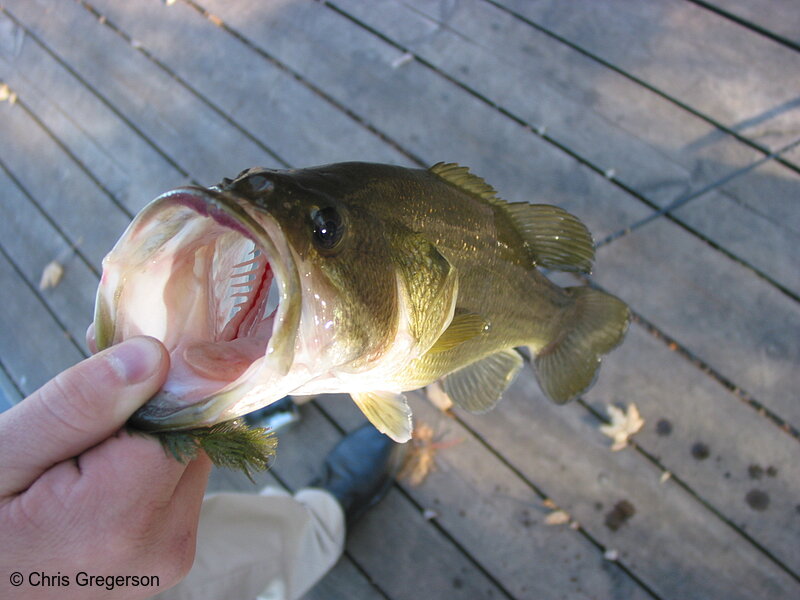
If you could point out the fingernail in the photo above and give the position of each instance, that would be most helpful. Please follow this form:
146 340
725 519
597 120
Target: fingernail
135 359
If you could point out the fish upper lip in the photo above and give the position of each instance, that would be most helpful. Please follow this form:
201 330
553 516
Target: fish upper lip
160 413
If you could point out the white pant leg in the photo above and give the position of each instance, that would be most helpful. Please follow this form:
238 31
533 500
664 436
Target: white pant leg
273 546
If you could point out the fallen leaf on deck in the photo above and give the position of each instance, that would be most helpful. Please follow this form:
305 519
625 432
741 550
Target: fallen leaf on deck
5 92
623 425
664 477
557 517
51 275
419 460
438 397
611 554
429 514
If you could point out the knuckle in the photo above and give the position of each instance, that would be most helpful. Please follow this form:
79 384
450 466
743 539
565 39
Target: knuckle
70 404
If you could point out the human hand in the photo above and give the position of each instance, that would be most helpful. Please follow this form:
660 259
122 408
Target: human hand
79 496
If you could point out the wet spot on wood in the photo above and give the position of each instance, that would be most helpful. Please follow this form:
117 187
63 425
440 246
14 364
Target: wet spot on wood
700 451
772 471
755 472
622 511
757 500
526 519
458 583
598 506
663 427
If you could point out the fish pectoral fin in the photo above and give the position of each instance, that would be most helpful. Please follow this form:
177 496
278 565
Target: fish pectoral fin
555 239
479 386
463 327
429 285
389 412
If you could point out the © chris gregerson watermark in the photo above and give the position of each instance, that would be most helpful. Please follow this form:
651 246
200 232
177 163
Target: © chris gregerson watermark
40 579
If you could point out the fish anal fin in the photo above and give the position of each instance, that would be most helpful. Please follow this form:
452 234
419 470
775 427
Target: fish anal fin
479 386
555 239
463 327
389 412
567 366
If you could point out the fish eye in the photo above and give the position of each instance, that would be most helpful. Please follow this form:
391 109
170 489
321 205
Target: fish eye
328 227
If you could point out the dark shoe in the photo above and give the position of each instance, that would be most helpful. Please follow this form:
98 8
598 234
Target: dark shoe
359 471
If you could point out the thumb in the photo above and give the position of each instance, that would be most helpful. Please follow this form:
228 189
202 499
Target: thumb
77 409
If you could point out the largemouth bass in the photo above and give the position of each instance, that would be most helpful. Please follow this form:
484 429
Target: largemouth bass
361 278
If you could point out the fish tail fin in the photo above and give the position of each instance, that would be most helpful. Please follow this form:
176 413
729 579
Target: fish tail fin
568 366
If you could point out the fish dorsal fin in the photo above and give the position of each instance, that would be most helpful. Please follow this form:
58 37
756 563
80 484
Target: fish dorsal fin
463 327
555 239
388 412
459 176
479 386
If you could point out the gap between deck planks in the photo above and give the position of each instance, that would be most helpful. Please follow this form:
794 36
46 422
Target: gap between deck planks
589 577
64 199
687 53
651 145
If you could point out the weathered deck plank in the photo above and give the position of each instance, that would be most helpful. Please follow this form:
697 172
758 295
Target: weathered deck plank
33 242
715 307
40 348
444 552
688 414
756 218
121 160
163 110
699 537
672 543
499 518
649 143
271 104
731 74
778 17
442 123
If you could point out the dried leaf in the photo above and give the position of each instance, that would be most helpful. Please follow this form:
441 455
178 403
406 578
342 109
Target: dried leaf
623 425
438 397
51 275
557 517
611 554
5 92
664 477
549 503
429 514
419 461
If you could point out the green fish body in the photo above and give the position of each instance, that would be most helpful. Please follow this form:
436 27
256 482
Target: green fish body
386 279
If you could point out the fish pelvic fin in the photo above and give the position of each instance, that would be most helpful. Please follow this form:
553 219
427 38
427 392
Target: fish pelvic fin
389 412
479 386
568 366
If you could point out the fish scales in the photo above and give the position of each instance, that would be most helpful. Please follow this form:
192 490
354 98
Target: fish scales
386 280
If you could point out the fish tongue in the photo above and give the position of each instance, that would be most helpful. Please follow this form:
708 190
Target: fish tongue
219 361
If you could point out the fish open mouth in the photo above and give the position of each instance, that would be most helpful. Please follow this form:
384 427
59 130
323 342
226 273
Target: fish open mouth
213 280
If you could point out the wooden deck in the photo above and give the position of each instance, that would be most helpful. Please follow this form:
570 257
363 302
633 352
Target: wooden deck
666 125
